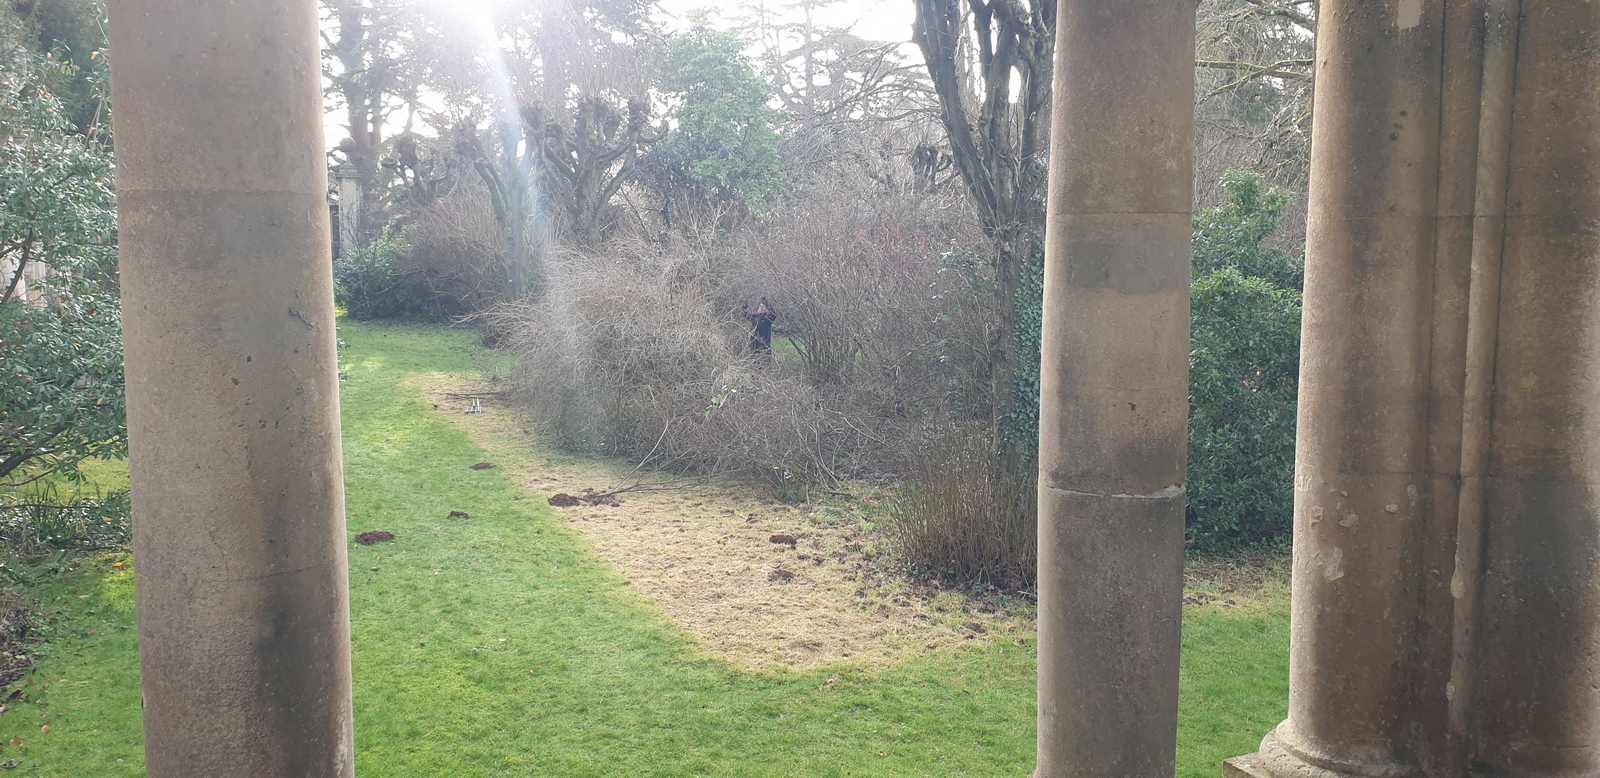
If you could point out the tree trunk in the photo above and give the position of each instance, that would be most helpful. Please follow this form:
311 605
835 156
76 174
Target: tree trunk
997 156
1010 248
363 98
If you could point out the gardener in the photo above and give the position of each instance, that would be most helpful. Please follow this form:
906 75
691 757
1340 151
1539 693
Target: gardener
761 334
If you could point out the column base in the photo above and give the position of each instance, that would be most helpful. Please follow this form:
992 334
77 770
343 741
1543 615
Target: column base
1278 759
1247 766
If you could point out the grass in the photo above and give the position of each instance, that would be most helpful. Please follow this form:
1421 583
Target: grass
501 646
96 477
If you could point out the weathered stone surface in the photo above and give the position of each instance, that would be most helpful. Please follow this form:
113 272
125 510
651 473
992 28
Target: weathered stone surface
233 407
1537 707
1447 556
1361 466
1244 767
1114 393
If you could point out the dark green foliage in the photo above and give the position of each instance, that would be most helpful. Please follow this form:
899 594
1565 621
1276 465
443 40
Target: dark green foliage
69 35
370 283
1022 424
61 398
1231 235
56 203
1244 362
60 385
1243 374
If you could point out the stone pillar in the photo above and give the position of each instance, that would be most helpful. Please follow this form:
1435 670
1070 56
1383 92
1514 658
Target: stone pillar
233 404
348 182
1447 511
1361 449
1114 392
1537 707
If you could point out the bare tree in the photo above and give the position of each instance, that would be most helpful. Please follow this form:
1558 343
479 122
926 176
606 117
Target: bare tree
1253 102
577 83
366 64
996 55
593 160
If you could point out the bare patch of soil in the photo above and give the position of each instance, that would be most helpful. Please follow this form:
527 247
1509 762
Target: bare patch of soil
370 538
757 582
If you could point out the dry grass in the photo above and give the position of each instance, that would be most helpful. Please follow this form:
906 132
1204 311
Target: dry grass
705 554
1253 579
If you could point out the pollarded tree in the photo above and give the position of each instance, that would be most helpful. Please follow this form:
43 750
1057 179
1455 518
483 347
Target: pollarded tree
585 166
566 88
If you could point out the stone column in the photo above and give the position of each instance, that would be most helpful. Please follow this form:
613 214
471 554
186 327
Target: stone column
1366 475
1114 392
233 404
1360 457
1447 511
1537 710
348 181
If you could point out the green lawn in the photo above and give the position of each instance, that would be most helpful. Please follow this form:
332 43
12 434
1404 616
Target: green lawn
500 646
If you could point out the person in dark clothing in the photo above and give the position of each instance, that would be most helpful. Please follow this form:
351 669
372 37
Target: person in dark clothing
761 332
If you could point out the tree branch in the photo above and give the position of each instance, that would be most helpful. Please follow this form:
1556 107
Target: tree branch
1286 10
22 264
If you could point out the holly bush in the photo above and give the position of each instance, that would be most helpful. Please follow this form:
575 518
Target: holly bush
1244 365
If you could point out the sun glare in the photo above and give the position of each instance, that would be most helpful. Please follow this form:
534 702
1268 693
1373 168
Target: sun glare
477 15
481 11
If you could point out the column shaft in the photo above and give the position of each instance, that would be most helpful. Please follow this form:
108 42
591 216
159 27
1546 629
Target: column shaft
1498 32
1470 642
1361 452
1538 709
1450 433
1114 393
233 407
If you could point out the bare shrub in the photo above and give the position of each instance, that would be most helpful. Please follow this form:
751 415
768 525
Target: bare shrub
879 295
627 355
968 516
449 260
456 254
